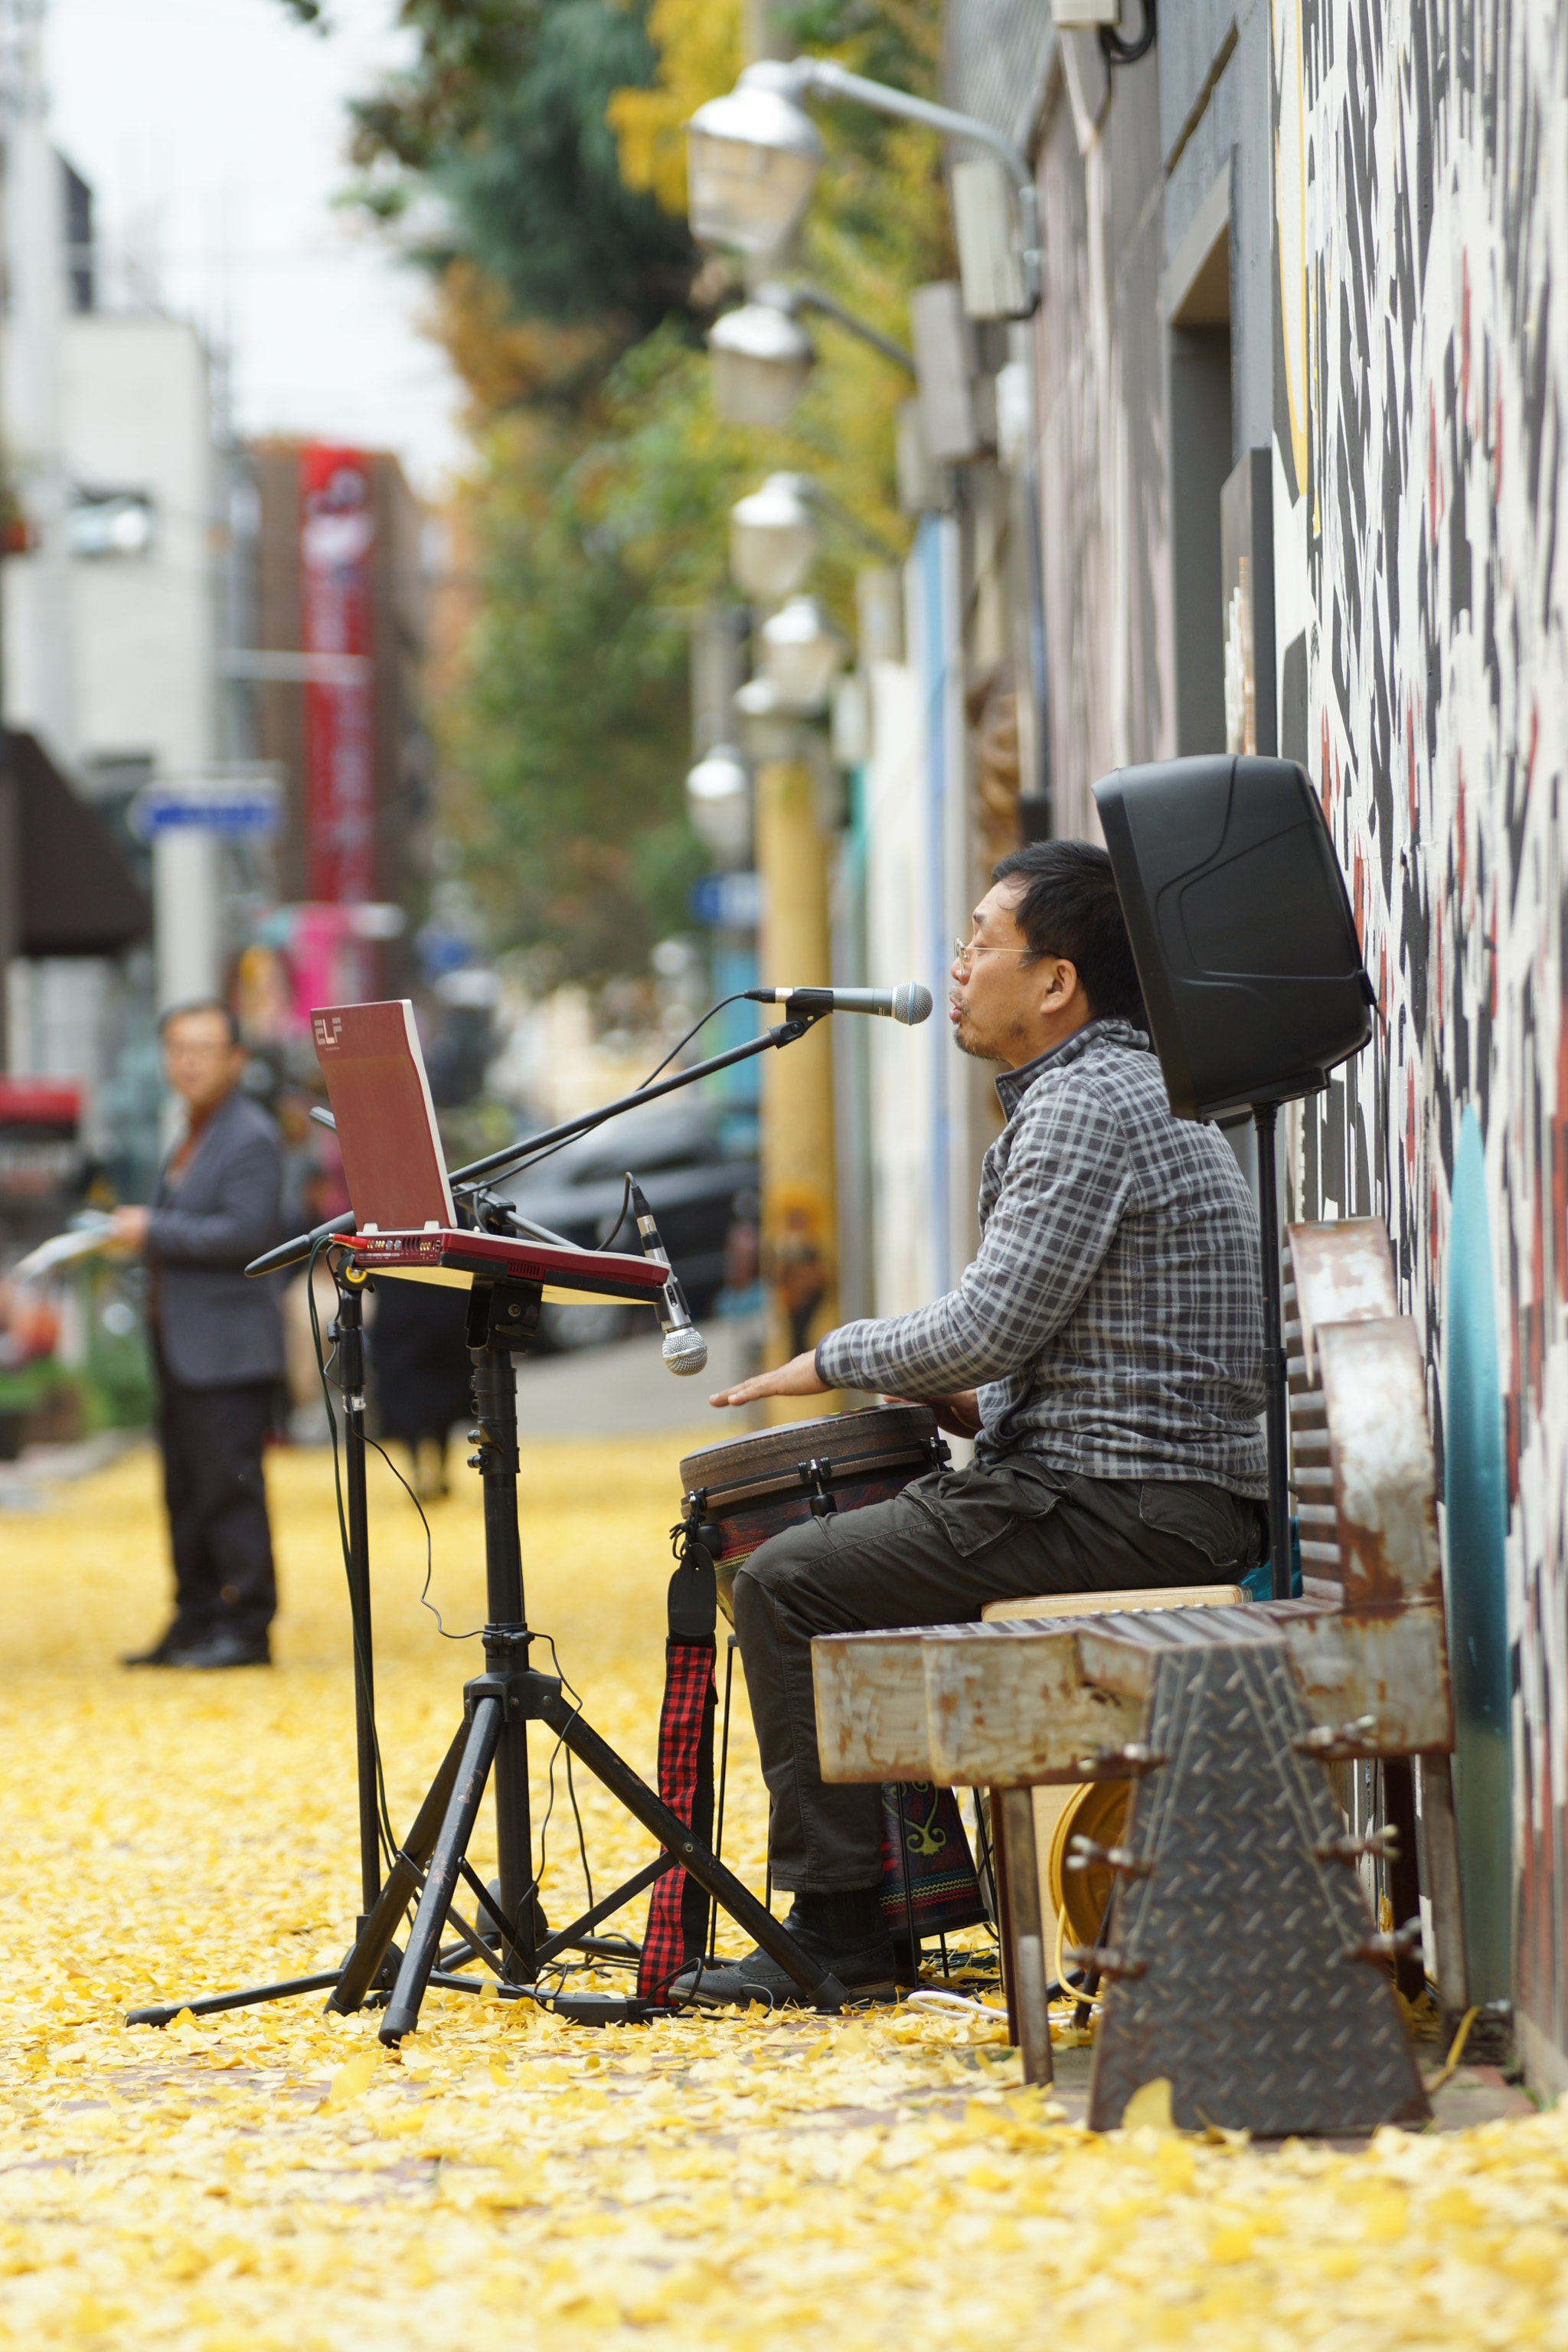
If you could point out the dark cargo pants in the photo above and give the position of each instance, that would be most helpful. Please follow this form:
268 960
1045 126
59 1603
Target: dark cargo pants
934 1556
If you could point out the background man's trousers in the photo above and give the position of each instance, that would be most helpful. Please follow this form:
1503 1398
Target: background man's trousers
934 1556
212 1440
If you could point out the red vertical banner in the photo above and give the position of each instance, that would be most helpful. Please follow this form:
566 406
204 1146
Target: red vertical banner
337 550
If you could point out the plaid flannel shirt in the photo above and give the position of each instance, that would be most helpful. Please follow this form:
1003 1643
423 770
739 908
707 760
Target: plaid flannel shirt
1113 1320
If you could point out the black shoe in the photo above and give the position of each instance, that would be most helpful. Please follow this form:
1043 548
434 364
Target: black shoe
223 1650
871 1973
162 1653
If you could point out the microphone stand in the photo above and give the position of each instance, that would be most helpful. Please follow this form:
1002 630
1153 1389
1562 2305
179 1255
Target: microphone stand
491 1742
290 1252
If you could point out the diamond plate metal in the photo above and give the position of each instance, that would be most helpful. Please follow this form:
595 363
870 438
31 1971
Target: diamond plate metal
1246 2001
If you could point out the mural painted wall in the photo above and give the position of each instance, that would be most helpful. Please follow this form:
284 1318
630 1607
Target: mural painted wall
1421 396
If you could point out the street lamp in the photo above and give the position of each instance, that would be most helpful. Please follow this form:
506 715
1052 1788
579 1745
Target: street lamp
751 158
773 539
718 801
802 653
762 356
763 135
761 362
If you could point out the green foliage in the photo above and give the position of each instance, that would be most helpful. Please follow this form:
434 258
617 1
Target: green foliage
599 505
502 116
574 733
538 189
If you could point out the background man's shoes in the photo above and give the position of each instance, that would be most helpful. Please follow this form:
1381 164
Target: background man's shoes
161 1652
223 1650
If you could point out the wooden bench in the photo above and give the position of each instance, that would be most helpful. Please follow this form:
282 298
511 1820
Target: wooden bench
1356 1668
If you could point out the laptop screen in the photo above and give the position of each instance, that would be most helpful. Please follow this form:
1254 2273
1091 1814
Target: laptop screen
392 1161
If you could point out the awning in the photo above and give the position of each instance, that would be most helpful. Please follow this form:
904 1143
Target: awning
77 896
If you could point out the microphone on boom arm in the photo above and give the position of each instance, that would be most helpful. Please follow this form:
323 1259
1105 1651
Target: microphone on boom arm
910 1002
684 1349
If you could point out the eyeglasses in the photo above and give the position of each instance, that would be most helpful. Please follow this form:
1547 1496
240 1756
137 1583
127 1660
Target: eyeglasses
964 955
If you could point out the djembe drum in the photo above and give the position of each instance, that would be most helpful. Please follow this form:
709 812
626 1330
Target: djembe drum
751 1487
737 1495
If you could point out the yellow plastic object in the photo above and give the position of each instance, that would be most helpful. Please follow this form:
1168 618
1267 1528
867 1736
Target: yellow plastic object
1099 1810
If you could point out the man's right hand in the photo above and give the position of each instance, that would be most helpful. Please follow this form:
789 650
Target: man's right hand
131 1228
959 1414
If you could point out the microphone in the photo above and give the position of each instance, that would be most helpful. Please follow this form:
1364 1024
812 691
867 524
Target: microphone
910 1003
296 1252
684 1349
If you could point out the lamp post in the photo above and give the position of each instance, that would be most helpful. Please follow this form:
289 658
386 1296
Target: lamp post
773 539
719 799
761 356
802 654
752 158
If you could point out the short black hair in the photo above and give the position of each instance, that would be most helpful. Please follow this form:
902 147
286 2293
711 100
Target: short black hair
202 1004
1070 908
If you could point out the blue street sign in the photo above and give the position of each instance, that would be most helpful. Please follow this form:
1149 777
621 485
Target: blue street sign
726 902
252 808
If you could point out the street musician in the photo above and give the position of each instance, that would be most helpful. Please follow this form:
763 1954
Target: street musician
1104 1351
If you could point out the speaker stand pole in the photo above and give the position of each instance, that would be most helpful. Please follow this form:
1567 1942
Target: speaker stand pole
1265 1119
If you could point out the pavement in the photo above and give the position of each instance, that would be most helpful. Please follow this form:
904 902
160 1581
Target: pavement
624 1389
1472 2095
26 1483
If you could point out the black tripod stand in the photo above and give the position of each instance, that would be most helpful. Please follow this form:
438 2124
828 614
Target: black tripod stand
492 1739
347 1334
498 1705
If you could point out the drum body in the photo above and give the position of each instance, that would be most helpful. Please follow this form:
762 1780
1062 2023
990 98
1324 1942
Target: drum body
751 1487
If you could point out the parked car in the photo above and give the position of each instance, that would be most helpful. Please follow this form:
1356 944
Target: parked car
697 1162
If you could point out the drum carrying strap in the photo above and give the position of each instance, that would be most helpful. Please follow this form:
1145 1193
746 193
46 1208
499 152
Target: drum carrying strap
929 1881
677 1909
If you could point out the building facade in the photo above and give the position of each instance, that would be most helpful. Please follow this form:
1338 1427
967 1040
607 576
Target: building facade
1299 317
327 675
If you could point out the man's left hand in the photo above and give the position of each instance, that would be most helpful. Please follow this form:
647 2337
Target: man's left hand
797 1378
131 1228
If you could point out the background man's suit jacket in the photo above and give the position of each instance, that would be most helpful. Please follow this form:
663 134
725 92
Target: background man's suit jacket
216 1328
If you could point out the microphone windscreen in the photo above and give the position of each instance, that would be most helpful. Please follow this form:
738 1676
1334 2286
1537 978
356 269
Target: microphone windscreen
911 1003
685 1349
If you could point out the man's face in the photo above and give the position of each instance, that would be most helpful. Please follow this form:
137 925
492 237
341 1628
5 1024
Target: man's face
199 1063
1003 1006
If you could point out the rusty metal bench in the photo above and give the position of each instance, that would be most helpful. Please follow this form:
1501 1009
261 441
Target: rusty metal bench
1241 1958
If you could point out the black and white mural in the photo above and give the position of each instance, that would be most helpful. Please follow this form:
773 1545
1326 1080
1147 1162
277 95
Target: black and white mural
1421 522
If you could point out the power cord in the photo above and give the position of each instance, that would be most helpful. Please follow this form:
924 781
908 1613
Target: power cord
424 1601
362 1646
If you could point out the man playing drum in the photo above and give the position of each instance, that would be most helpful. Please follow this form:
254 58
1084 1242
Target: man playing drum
1104 1349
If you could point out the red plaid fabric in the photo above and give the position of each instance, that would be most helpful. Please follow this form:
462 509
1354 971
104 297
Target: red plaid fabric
677 1908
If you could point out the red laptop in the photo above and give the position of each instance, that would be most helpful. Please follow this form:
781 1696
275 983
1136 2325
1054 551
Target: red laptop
396 1175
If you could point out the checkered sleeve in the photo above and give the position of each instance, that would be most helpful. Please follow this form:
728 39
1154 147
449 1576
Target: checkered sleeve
1068 1184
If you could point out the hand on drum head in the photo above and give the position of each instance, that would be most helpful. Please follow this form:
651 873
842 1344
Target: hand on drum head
959 1414
797 1378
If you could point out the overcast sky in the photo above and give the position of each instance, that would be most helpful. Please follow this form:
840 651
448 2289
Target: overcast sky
213 134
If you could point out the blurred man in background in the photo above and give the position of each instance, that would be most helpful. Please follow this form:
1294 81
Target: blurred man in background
217 1342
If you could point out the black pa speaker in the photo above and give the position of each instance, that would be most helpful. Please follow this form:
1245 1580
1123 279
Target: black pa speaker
1241 928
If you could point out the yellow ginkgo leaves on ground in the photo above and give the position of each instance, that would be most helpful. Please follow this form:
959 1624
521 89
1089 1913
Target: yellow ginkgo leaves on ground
271 2179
